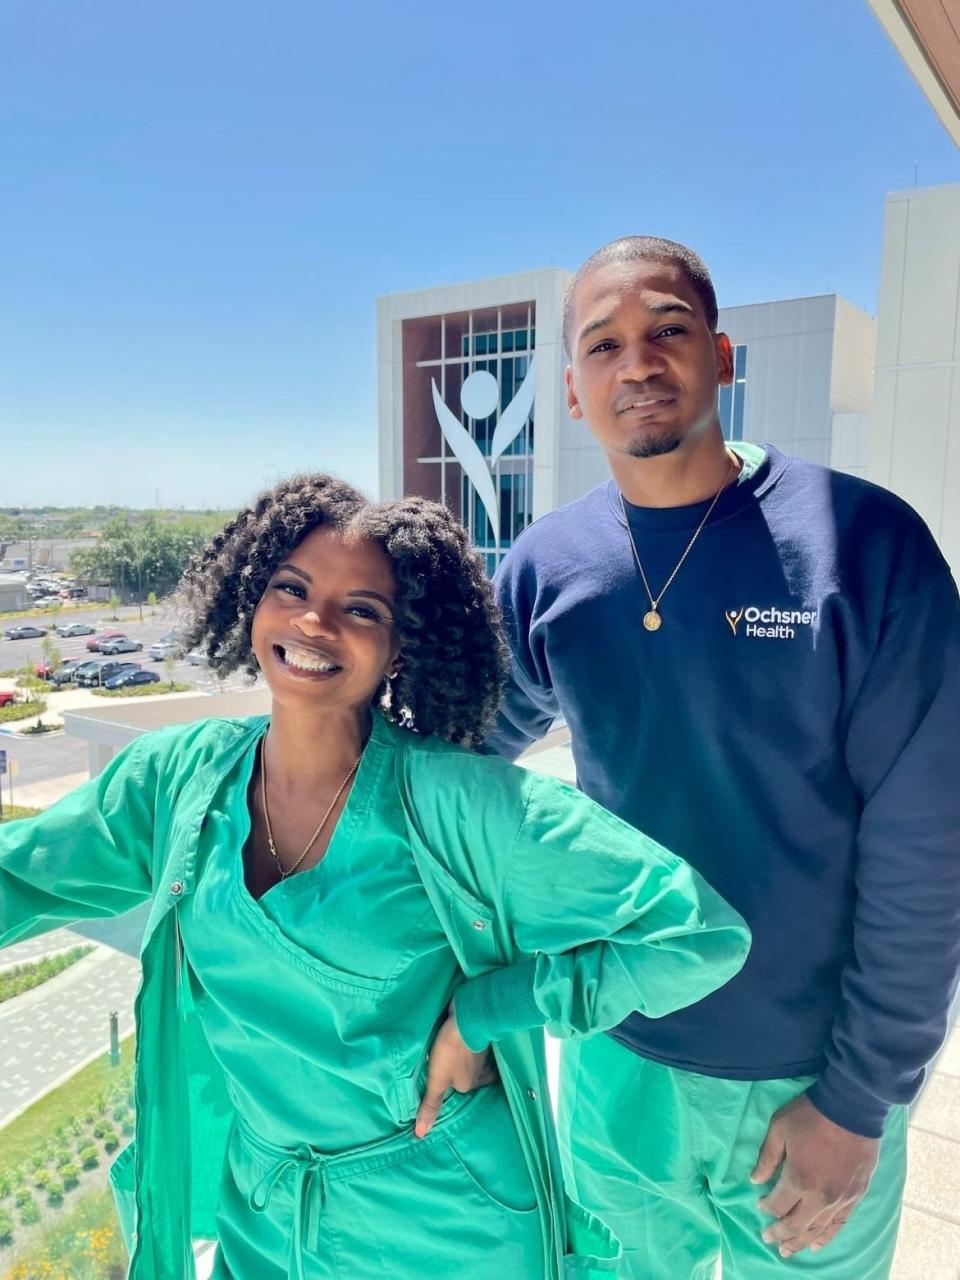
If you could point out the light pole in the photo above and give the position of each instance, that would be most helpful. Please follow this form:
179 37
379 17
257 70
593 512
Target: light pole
139 545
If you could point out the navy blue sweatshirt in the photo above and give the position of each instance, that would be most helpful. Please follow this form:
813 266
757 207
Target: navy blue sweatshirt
793 731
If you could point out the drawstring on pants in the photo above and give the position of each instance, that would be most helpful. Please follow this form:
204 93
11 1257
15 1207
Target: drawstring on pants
309 1174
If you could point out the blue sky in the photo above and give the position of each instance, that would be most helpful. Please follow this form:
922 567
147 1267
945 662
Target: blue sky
199 203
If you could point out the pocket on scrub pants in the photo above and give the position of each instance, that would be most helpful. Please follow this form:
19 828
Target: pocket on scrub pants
486 1149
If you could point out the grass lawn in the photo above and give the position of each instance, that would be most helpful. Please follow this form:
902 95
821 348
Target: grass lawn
13 811
20 711
143 690
24 977
20 1138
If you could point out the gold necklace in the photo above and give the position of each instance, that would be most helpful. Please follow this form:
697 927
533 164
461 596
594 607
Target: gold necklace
653 619
323 821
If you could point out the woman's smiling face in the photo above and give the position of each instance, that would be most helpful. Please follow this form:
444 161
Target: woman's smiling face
324 629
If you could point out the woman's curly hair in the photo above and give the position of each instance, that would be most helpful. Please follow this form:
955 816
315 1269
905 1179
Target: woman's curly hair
453 660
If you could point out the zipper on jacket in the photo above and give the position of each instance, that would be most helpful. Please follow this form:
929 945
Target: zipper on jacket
184 996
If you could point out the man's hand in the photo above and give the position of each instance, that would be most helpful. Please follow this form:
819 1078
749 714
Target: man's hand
452 1066
826 1170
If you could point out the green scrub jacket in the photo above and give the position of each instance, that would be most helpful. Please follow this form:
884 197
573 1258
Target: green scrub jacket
560 915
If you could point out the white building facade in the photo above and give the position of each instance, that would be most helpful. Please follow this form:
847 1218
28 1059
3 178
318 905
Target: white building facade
472 406
915 428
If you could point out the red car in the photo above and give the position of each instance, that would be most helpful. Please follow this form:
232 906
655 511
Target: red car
94 643
6 698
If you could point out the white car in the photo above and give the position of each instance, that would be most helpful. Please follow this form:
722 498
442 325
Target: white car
68 629
197 659
166 646
121 644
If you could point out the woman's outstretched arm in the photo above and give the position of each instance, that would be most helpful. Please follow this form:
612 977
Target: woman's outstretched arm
88 856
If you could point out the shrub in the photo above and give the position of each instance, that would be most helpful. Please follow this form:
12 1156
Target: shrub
21 710
128 1125
23 977
63 1157
55 1194
70 1173
111 1140
23 1196
102 1128
120 1111
89 1158
6 1186
30 1213
6 1227
41 1178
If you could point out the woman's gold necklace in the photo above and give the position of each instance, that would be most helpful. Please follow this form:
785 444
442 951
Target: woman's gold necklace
323 821
653 619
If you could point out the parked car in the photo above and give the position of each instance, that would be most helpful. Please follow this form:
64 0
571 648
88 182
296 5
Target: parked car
198 659
84 669
6 698
47 670
93 674
65 673
126 679
24 633
93 646
164 647
123 644
67 629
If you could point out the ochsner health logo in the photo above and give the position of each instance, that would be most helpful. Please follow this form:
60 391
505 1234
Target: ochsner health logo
769 622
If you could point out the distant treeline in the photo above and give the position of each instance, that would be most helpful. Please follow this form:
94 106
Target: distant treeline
140 556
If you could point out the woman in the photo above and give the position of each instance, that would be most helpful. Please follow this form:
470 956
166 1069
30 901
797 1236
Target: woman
333 883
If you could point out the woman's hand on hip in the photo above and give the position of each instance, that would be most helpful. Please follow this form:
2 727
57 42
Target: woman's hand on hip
451 1066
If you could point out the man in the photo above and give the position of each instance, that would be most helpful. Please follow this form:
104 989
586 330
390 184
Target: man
759 662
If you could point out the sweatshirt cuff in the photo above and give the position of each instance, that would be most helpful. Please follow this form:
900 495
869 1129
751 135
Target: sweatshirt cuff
495 1004
846 1104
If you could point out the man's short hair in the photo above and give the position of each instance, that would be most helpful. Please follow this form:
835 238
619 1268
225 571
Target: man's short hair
645 249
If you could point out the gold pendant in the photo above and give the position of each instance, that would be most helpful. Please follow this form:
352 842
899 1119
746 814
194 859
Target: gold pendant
652 620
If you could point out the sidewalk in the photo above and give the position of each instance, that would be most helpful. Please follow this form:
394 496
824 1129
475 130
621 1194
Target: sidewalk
929 1247
49 1033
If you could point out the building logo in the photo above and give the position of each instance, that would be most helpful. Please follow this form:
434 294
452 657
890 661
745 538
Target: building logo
769 622
479 397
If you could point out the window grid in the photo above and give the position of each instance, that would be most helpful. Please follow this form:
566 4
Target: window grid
504 353
731 400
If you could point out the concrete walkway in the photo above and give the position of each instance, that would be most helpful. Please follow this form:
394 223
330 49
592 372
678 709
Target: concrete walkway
52 1031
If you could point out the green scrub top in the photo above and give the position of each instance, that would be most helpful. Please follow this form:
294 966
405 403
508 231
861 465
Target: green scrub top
319 998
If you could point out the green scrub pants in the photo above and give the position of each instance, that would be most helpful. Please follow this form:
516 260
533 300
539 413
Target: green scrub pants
664 1158
455 1205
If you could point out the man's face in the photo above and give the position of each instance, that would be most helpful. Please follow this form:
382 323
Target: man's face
645 365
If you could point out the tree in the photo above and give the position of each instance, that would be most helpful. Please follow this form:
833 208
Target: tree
52 656
150 555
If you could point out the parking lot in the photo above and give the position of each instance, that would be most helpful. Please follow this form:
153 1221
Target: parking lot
41 759
18 653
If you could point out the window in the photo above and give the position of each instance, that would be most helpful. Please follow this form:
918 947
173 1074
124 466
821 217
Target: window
730 403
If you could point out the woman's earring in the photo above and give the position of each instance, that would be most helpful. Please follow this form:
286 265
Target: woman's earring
386 700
